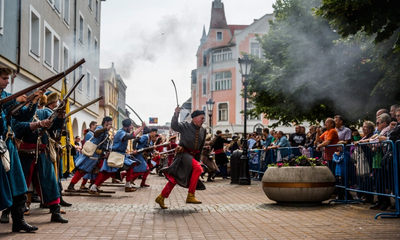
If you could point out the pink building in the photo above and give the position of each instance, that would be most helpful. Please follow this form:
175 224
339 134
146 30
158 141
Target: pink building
217 75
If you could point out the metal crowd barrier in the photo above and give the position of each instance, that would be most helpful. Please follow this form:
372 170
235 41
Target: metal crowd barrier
368 169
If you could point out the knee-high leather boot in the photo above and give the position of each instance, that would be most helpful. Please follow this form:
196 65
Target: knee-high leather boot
17 215
56 215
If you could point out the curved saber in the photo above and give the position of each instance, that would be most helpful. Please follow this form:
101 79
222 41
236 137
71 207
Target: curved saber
134 112
176 93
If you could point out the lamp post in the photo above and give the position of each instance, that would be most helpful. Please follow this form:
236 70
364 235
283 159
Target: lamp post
244 175
210 106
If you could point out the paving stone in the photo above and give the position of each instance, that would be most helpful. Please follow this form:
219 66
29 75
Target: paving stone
228 212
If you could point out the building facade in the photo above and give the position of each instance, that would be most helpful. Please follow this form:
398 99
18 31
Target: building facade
122 113
109 91
217 75
41 38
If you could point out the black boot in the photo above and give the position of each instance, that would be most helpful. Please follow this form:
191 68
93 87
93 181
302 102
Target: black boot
71 187
209 178
64 203
56 215
17 214
386 203
5 216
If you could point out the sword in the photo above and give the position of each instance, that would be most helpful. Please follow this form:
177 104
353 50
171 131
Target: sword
134 112
176 93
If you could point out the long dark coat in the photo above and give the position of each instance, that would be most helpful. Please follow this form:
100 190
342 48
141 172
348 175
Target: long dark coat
192 137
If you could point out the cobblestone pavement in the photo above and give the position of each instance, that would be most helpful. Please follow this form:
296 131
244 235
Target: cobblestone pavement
228 212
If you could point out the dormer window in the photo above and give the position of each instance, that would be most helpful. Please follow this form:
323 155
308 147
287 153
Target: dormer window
219 36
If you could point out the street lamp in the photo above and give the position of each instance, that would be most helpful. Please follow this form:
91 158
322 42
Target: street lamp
210 106
244 175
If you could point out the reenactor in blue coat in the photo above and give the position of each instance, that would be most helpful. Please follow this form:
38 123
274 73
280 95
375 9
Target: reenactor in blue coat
12 182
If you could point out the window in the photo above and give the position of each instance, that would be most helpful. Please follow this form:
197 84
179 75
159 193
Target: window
34 34
65 58
219 36
223 112
94 88
1 16
90 5
255 49
96 49
251 117
80 85
204 86
66 11
51 48
88 84
96 16
56 53
47 46
57 6
223 81
204 58
194 76
89 38
80 28
222 55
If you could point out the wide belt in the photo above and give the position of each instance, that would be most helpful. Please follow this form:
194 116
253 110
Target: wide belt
191 151
218 151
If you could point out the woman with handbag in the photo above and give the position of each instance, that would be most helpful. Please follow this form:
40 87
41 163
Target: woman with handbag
117 156
91 152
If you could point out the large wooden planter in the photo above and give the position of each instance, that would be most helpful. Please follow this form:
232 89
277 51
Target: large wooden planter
298 185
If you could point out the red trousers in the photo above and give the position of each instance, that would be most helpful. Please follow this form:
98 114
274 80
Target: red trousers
132 176
77 176
196 172
102 177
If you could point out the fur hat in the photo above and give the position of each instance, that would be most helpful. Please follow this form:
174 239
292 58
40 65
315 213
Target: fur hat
52 97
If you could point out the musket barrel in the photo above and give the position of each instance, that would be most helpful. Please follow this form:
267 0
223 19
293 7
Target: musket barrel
37 85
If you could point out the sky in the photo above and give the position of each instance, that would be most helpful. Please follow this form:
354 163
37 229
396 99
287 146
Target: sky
154 41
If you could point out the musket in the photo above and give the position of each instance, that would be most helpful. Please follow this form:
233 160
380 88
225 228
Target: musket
62 104
171 150
44 82
17 107
152 147
83 107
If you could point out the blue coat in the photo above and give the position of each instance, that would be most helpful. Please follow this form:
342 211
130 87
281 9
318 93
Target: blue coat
47 179
143 143
12 183
119 145
86 163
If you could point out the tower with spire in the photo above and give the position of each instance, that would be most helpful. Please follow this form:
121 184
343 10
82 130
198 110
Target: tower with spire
217 74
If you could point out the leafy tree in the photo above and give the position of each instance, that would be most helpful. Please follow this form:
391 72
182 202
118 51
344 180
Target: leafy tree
310 73
380 19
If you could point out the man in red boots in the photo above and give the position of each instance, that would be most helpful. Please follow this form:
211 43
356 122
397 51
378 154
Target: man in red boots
186 169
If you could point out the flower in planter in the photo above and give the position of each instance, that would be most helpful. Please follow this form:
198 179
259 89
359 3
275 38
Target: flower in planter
300 161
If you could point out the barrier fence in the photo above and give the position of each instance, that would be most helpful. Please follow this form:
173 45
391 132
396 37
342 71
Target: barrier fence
366 169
